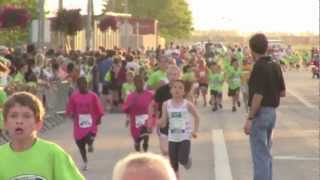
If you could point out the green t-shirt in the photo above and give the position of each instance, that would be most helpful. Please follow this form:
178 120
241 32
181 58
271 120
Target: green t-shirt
18 78
189 76
88 72
234 79
226 64
239 56
216 81
107 77
43 161
156 77
128 88
306 57
3 98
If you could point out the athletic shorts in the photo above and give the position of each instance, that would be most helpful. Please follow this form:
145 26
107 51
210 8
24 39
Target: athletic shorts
233 92
179 152
216 93
203 85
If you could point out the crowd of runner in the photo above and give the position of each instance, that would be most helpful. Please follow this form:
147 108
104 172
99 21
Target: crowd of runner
158 90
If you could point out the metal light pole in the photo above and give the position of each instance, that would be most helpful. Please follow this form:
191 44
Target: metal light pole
41 20
126 24
60 35
90 14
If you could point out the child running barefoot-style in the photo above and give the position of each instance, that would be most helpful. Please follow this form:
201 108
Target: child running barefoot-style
27 156
181 115
86 111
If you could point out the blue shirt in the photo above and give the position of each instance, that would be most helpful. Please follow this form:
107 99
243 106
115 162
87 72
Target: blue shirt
104 66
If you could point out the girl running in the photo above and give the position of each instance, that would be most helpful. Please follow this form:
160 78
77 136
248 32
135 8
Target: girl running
181 115
202 77
136 106
86 111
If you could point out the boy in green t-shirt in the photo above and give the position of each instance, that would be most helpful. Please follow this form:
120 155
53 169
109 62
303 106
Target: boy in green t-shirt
216 79
234 82
26 156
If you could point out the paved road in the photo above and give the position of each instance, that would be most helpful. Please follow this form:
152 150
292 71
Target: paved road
295 147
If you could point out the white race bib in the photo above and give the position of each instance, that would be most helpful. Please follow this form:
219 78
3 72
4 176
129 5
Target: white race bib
177 121
202 74
141 119
236 80
85 121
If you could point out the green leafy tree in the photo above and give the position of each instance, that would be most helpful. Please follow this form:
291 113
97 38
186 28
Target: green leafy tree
174 16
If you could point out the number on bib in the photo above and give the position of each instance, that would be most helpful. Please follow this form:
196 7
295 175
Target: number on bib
141 119
85 121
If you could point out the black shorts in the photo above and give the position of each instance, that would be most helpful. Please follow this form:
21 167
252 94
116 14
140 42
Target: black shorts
216 94
88 139
203 85
106 89
179 153
233 92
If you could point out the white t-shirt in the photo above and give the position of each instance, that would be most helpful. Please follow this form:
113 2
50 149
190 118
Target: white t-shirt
180 124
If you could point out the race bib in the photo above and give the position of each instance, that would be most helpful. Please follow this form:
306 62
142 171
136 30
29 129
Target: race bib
202 74
85 121
141 119
177 121
236 80
28 177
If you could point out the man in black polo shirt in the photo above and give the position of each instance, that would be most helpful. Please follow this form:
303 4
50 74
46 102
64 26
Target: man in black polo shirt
266 86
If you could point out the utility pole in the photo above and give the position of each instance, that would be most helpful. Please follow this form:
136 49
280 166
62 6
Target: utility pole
60 35
41 19
90 15
126 10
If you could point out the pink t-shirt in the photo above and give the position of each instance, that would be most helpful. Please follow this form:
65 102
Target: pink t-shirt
136 106
85 109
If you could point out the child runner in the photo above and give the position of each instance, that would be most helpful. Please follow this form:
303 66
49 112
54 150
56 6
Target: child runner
163 94
86 111
189 78
216 79
26 156
246 68
136 106
181 115
128 87
234 82
202 77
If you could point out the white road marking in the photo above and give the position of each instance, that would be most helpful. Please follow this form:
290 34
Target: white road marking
222 168
296 158
301 99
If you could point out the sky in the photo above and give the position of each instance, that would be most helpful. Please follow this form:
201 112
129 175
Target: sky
242 15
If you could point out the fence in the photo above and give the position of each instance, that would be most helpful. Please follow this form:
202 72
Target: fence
56 96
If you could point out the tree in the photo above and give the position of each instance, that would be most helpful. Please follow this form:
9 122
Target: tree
174 16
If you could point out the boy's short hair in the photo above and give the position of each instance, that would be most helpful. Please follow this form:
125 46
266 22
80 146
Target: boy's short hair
25 99
259 43
143 160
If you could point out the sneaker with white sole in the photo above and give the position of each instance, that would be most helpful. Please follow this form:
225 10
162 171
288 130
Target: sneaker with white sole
84 166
